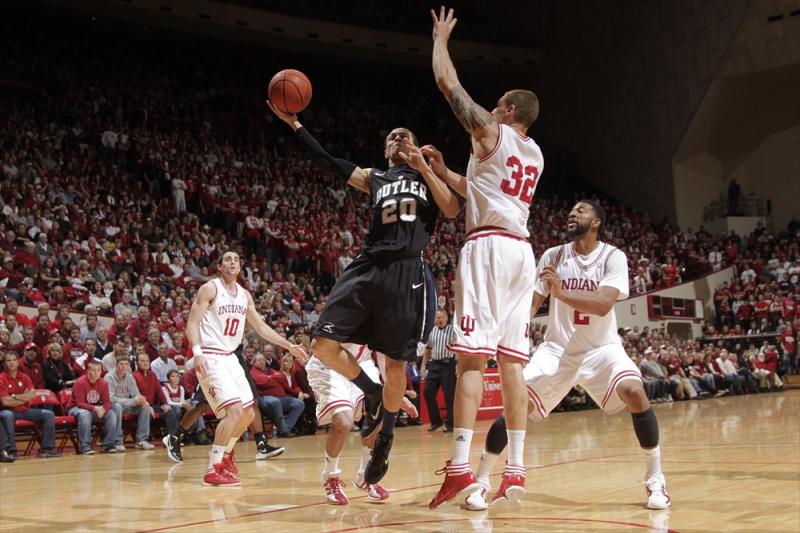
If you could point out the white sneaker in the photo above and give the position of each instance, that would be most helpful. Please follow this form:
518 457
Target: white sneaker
375 493
144 445
477 500
120 448
657 496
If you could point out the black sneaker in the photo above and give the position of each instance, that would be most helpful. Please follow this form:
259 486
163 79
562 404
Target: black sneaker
48 453
172 445
265 451
378 462
6 457
373 413
434 427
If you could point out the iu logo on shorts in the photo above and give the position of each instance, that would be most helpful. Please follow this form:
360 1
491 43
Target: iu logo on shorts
467 325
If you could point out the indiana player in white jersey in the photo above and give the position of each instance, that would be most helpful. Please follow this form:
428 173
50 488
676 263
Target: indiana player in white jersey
581 346
215 329
496 267
339 403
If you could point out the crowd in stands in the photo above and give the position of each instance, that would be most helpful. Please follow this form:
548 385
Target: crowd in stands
122 179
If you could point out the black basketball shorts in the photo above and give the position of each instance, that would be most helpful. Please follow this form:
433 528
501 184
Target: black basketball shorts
387 305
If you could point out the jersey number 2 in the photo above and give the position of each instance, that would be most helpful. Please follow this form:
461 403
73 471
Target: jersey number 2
231 327
580 319
519 186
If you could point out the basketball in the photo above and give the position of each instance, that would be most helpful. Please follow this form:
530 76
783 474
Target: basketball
290 91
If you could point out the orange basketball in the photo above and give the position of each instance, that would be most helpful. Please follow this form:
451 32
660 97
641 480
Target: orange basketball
290 91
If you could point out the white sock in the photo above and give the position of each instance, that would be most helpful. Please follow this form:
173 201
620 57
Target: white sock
516 446
365 455
485 466
231 445
462 440
331 463
652 459
217 452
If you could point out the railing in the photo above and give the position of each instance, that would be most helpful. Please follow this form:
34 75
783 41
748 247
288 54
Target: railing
745 207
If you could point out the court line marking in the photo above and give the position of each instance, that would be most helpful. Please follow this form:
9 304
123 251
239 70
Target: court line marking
534 518
325 502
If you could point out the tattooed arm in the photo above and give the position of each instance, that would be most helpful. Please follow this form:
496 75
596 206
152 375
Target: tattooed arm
475 119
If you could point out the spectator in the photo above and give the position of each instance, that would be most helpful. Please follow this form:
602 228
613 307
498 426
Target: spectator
16 390
275 397
150 388
655 375
163 364
103 344
92 402
727 368
125 399
58 375
176 395
294 374
89 329
29 365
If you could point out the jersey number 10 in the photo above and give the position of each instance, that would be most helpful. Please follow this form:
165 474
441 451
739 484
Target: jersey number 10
231 327
517 186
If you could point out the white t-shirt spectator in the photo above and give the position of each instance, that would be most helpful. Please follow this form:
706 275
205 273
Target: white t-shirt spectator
715 260
748 276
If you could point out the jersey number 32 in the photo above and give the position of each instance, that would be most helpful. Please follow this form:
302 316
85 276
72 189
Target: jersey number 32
522 181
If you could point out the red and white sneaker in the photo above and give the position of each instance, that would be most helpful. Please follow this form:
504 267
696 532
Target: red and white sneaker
217 476
227 462
477 500
512 487
333 490
458 479
375 493
657 496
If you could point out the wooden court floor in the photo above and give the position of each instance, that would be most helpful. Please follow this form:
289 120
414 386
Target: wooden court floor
732 464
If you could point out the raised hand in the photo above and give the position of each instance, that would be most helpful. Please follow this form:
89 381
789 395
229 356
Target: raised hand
551 277
435 160
288 118
443 25
414 157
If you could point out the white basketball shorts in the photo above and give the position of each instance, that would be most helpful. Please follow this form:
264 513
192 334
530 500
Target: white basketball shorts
335 393
225 383
494 293
552 373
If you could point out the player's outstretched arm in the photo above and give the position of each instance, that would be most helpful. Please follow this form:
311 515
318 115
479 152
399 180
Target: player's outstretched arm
442 195
455 181
264 331
356 176
475 119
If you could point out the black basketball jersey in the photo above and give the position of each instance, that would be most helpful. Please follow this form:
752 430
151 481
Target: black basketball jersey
403 212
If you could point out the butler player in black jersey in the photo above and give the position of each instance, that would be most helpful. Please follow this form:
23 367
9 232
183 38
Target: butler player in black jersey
386 297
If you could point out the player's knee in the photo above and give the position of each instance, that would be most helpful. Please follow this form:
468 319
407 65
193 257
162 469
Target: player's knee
342 422
633 395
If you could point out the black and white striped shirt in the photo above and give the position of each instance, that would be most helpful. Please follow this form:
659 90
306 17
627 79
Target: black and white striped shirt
438 341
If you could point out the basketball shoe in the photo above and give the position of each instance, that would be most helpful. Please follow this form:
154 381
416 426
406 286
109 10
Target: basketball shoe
333 489
375 493
172 445
477 500
378 462
657 496
512 487
458 479
265 451
227 462
217 476
373 413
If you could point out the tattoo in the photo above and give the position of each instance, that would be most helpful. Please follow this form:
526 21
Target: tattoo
470 114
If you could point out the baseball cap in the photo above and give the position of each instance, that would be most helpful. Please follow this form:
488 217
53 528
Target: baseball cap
648 351
31 346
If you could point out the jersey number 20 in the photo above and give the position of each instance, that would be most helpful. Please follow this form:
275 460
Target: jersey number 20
231 327
407 209
517 186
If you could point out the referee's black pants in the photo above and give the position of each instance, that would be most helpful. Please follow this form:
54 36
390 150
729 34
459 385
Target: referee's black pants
440 374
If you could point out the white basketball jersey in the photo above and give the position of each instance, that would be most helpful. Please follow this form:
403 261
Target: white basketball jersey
500 185
222 326
568 328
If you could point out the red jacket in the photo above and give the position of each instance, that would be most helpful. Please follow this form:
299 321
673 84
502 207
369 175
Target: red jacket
33 371
271 382
771 360
149 387
87 395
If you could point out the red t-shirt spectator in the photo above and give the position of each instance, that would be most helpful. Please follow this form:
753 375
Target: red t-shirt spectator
33 370
771 360
15 385
88 395
788 341
789 307
762 309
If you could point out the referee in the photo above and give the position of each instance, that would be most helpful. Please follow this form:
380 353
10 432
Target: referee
439 370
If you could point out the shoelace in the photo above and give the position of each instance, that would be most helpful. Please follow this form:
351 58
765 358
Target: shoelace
335 485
